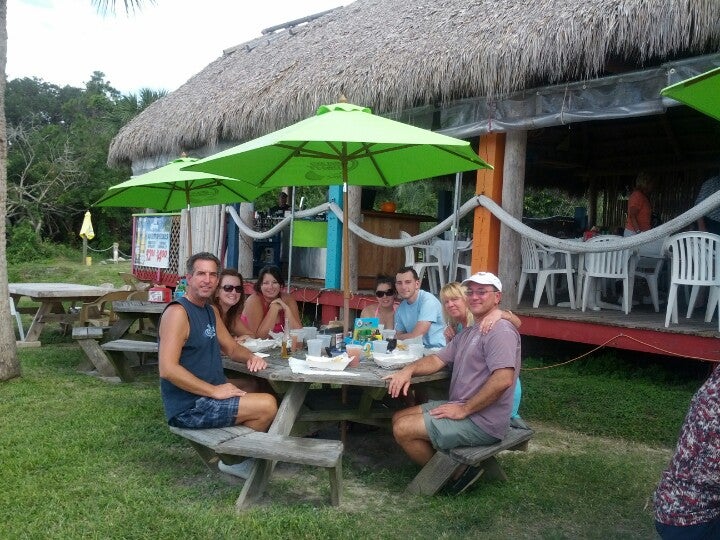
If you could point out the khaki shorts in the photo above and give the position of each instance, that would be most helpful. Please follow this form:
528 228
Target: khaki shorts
446 433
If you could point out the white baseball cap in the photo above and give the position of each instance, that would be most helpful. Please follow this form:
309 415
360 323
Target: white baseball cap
484 278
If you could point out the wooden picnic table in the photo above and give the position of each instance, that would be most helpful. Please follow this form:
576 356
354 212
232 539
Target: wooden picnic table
52 297
130 311
114 351
367 377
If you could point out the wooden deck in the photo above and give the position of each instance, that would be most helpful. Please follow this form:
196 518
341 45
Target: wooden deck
641 330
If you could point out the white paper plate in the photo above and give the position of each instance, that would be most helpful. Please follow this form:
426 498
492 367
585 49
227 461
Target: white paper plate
337 363
257 345
393 360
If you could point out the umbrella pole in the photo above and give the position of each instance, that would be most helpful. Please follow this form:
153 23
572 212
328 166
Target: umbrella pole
290 240
189 224
346 255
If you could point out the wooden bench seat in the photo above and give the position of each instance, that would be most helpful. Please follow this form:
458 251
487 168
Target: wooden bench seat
123 352
215 444
436 473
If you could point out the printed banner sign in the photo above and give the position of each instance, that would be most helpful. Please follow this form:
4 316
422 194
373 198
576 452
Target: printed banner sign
152 241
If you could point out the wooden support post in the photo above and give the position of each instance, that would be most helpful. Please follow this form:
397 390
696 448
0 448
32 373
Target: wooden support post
513 192
486 228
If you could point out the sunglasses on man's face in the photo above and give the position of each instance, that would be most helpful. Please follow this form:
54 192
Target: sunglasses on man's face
389 292
229 288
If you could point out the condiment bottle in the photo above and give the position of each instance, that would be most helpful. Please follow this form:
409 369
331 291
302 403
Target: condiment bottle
284 349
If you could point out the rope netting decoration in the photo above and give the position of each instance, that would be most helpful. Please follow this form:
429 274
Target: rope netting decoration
660 232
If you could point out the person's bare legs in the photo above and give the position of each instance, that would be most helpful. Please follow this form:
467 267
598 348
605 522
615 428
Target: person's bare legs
256 411
251 384
410 433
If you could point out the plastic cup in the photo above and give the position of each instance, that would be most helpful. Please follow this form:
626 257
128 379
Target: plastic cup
388 334
354 352
326 339
380 346
314 347
310 332
297 340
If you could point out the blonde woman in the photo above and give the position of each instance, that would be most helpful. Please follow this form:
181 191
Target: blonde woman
453 298
457 313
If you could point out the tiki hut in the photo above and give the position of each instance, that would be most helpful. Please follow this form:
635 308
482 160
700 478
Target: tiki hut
561 92
456 64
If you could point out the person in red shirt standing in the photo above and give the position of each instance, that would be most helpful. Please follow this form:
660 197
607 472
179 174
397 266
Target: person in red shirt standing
639 211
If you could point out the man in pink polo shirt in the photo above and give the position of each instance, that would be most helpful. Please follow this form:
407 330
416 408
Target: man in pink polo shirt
485 368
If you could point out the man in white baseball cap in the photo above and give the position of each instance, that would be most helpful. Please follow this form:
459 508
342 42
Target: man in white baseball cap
485 368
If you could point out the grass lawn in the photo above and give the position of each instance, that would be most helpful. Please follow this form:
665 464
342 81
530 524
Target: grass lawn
82 458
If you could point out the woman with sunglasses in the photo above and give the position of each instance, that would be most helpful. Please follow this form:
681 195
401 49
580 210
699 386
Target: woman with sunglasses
268 307
230 300
384 310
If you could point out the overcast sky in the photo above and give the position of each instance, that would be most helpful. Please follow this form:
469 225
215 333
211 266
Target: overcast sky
64 41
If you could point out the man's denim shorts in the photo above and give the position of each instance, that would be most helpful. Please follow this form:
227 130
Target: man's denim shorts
446 433
208 413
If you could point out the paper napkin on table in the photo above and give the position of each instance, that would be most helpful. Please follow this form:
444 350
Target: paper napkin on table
300 366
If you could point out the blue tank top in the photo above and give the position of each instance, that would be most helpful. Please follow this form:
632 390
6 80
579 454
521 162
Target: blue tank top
200 355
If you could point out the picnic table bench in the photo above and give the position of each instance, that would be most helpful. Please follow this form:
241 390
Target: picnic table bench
225 444
441 467
123 354
111 350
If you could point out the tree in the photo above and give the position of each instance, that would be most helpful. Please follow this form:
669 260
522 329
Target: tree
9 364
43 174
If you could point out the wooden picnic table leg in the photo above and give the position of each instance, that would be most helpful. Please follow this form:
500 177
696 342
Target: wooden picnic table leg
121 364
260 475
434 475
37 324
119 328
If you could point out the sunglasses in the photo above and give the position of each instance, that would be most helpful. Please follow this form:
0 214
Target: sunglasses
229 288
389 292
479 292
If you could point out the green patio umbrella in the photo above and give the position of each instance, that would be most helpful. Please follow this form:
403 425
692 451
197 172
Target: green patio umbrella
343 144
701 92
169 188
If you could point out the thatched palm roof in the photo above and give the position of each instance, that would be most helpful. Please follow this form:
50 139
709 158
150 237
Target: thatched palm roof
392 55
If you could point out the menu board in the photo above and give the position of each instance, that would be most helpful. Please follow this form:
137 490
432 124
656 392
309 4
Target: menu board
152 241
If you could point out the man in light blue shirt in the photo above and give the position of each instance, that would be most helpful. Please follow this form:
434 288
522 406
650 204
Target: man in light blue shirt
419 313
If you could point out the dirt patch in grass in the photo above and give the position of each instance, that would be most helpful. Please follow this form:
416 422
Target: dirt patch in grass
374 454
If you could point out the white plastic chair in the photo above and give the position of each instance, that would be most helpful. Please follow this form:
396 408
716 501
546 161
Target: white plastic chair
464 271
539 261
695 261
15 314
613 265
649 269
430 263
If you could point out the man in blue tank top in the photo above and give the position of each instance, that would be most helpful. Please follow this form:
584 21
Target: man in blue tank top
195 392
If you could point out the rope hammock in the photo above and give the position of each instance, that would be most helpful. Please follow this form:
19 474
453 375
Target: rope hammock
661 232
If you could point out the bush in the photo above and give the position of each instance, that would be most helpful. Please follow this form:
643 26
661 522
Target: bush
25 245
